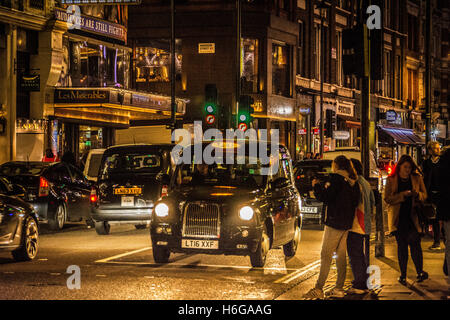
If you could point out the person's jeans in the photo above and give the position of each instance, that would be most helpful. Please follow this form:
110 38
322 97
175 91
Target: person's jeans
446 227
435 198
334 241
409 239
358 252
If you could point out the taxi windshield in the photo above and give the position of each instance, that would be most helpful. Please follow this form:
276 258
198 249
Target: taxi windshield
247 174
117 164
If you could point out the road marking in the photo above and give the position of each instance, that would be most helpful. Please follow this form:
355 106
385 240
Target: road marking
299 272
43 259
101 275
123 255
55 274
187 265
8 272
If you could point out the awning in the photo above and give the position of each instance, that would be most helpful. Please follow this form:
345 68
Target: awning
402 135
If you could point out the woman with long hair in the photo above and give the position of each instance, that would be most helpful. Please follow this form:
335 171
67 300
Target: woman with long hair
404 190
341 194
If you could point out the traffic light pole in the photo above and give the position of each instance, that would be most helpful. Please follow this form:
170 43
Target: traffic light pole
428 76
322 76
365 107
172 67
238 58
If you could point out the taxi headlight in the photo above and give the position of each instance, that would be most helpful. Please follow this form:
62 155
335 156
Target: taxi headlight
162 210
246 213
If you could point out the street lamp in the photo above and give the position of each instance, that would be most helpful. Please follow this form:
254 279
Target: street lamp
323 7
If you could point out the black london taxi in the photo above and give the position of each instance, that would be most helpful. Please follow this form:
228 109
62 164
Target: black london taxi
232 207
128 184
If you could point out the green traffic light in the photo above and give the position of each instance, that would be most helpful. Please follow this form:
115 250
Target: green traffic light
210 108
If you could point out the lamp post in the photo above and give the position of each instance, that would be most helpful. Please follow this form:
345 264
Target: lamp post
323 7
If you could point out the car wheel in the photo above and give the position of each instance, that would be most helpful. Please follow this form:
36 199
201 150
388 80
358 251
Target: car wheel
140 226
290 248
102 227
258 258
90 223
30 241
59 218
161 254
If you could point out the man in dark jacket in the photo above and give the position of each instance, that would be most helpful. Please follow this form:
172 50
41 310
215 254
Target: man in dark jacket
341 194
431 179
444 207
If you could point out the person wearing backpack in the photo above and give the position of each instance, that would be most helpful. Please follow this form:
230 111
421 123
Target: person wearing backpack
341 194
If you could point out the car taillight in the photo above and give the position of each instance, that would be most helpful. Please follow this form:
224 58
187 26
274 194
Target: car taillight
389 170
44 187
164 191
93 197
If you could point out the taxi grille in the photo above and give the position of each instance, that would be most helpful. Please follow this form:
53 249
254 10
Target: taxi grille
201 220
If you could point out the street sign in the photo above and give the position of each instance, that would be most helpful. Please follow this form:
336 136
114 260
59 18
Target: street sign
341 135
206 48
210 119
242 126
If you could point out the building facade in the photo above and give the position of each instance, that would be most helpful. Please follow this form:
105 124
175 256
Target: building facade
66 79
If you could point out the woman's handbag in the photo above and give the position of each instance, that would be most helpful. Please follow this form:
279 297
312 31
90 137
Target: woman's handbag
425 211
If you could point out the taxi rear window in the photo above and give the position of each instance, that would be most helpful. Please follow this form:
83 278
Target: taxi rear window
121 163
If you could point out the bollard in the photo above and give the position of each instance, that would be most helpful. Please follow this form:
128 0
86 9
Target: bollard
379 225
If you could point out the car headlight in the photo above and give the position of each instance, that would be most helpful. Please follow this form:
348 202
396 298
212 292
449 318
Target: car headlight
162 210
246 213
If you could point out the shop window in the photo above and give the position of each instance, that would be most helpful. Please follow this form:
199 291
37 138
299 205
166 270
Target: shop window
281 66
250 65
90 138
153 62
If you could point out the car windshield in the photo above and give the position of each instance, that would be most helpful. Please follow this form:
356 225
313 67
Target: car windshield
243 175
22 169
131 163
313 168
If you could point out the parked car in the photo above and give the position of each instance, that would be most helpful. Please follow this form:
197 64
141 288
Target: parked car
19 230
305 171
127 185
59 192
232 209
92 165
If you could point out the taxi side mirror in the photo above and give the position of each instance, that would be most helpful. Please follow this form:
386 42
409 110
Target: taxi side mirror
163 179
279 183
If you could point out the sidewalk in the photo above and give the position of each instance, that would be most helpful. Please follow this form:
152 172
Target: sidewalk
435 288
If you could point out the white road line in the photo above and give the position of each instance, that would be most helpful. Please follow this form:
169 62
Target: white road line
299 272
187 265
101 275
8 272
55 274
122 255
43 259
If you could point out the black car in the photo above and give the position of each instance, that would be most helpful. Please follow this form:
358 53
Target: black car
19 231
128 186
304 172
58 191
236 208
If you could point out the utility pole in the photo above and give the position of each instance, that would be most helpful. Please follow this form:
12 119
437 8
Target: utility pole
172 67
428 75
238 57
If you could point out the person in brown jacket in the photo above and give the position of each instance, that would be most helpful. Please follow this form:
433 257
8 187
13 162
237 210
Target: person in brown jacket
404 190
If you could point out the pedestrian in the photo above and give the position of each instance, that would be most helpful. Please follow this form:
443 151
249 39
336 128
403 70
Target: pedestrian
49 156
341 194
308 156
404 190
317 156
431 179
444 207
358 240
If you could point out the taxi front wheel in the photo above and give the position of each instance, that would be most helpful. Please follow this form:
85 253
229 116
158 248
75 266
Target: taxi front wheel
161 254
290 248
102 227
258 258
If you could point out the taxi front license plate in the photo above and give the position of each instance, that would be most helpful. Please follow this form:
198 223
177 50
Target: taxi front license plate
126 191
127 201
200 244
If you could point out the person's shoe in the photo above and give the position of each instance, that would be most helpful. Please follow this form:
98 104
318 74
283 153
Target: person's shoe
402 280
422 276
353 290
337 293
314 293
435 246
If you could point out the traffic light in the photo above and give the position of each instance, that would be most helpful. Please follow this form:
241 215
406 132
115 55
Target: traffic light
330 123
353 51
210 106
245 112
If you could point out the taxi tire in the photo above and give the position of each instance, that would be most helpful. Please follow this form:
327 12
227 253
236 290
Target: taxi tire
161 254
258 258
290 248
140 226
102 227
23 252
